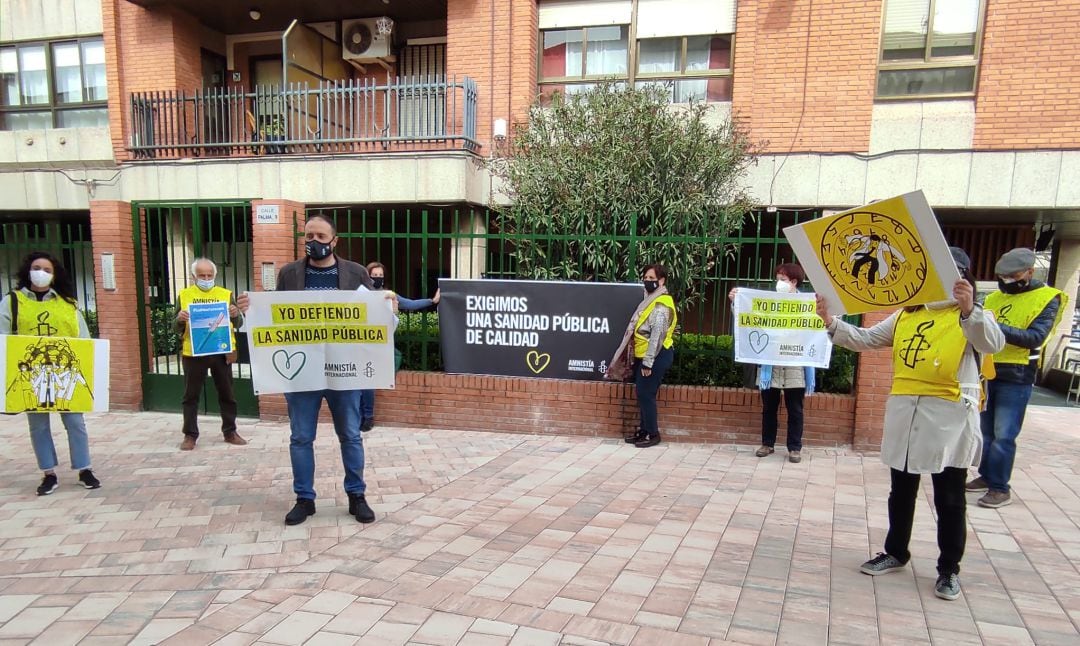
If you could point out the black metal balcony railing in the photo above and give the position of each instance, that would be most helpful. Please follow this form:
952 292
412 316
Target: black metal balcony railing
350 116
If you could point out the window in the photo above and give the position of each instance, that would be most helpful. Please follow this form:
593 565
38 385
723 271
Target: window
682 45
53 85
929 48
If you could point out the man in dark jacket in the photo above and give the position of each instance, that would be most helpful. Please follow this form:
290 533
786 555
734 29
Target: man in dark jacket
1027 311
322 269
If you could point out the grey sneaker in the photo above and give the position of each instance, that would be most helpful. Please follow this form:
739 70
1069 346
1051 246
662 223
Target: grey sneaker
881 564
948 587
978 484
995 499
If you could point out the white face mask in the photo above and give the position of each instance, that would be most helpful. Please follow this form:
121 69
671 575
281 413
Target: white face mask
40 278
785 287
205 285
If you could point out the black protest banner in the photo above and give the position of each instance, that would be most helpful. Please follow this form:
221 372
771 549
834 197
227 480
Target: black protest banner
525 328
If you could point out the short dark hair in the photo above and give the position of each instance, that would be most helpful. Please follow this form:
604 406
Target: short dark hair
793 271
660 270
325 218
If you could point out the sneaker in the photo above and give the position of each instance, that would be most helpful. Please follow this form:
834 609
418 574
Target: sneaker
359 508
87 479
881 564
764 450
636 437
794 456
367 424
48 484
235 439
189 443
995 499
303 508
948 587
978 484
650 440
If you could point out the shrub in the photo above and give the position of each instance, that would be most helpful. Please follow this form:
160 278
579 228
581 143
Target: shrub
163 330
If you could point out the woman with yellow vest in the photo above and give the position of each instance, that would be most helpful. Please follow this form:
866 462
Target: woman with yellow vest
931 416
1028 311
43 304
647 345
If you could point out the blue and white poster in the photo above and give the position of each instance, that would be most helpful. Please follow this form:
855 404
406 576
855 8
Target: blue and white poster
209 328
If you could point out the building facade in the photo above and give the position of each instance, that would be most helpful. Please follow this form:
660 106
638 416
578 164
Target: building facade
137 134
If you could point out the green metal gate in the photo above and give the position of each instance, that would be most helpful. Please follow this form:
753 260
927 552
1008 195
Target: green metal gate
168 237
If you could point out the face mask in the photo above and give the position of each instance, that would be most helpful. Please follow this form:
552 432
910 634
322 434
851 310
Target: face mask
205 285
377 283
784 287
1011 286
651 285
318 250
40 278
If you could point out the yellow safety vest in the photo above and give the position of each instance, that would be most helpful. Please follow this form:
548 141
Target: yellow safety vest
51 317
641 342
1019 311
193 294
927 348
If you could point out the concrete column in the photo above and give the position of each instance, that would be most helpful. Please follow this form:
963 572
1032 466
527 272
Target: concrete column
468 256
1067 279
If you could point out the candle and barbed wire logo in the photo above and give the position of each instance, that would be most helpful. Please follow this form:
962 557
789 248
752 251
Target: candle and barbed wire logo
874 258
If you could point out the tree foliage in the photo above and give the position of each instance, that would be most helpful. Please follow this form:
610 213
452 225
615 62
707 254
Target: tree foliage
606 181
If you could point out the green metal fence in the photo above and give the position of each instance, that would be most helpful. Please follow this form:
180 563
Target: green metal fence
419 245
67 237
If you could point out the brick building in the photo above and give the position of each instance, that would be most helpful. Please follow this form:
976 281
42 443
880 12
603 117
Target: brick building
135 134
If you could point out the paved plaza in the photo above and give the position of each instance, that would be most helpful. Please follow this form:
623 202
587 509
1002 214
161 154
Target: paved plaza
489 538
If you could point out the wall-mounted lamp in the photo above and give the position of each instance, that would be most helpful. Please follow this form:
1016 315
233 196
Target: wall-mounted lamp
499 130
255 13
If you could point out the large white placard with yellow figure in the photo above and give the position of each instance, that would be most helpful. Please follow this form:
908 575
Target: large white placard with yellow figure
54 374
320 340
884 255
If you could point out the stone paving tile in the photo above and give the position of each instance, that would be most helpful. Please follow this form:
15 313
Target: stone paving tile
486 538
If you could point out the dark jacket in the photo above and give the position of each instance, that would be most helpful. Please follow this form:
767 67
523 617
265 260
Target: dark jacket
351 275
1031 338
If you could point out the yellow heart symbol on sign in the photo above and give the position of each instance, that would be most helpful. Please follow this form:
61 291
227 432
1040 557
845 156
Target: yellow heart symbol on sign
537 362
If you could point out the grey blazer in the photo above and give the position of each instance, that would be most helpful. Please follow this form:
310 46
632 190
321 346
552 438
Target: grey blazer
351 275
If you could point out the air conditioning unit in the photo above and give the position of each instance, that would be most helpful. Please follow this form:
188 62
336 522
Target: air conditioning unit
366 39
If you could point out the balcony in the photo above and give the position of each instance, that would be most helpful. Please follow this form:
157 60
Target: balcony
348 116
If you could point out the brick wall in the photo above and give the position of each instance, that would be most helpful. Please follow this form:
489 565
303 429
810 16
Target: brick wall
872 384
494 43
1028 76
835 63
111 231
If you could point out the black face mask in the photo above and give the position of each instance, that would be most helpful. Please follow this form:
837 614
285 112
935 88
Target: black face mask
377 283
651 286
1012 288
318 250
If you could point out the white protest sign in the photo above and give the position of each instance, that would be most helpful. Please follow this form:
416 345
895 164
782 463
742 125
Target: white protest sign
320 340
779 330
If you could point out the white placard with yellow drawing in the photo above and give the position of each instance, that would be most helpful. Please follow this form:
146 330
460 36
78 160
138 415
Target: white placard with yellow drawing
884 255
54 374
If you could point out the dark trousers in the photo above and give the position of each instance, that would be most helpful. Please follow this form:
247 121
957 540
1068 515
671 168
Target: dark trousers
770 407
194 377
951 506
648 387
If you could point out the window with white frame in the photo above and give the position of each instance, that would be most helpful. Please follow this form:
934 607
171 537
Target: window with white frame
930 48
57 84
684 46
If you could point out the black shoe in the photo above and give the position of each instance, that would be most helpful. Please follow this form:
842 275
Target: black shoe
636 437
358 507
651 440
48 484
300 511
87 479
368 424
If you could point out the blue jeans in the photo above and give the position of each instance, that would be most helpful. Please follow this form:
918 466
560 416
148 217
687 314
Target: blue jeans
367 404
648 387
304 418
45 450
1001 421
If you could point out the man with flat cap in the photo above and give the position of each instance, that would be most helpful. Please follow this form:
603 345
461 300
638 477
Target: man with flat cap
1028 311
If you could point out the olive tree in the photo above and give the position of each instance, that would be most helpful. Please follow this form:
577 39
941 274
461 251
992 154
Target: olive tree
605 181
